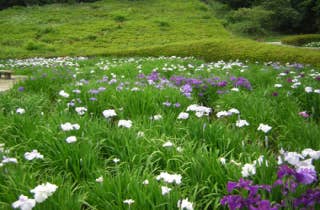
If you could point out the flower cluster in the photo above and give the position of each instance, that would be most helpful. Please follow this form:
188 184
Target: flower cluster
294 182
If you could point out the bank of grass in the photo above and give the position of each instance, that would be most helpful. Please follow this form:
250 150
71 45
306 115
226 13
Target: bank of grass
107 25
110 27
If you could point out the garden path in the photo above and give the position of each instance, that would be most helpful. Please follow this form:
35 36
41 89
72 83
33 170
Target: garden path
6 84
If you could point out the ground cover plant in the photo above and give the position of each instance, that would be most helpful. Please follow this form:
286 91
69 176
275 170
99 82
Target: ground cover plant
159 133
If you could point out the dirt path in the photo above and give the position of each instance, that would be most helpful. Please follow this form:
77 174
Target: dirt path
7 84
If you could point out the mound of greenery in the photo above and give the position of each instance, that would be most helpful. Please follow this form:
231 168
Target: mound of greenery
228 49
288 16
111 27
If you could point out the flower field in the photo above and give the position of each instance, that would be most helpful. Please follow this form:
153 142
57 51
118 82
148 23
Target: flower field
159 133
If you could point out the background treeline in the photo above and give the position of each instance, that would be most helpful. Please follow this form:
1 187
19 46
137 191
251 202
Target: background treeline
9 3
260 16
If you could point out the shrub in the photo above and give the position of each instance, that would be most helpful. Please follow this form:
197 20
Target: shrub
228 49
300 40
313 44
250 20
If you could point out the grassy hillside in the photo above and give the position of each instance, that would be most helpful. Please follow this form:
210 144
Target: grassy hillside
103 26
146 28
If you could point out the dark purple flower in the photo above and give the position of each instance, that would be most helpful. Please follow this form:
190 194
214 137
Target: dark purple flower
177 80
242 82
193 81
222 83
263 205
232 78
306 175
21 89
275 94
233 201
309 199
154 76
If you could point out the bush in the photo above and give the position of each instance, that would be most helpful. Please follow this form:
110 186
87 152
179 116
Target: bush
300 40
313 44
250 20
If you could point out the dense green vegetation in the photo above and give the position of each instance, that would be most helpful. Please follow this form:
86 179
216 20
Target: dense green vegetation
300 40
110 27
228 49
81 29
285 16
108 163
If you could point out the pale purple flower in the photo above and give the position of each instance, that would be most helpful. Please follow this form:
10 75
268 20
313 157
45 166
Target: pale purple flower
24 203
304 114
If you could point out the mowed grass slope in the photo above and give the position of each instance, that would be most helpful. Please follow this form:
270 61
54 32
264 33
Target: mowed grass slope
104 26
130 28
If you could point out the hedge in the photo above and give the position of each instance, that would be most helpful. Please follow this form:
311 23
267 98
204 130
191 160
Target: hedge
208 50
299 40
229 49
